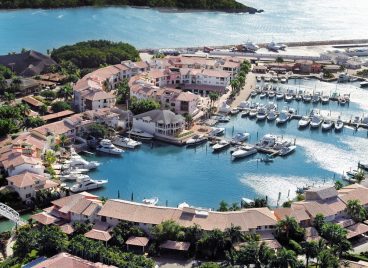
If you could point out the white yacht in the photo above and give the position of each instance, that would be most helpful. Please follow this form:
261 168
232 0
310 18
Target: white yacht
307 98
240 137
327 124
304 122
271 115
287 150
79 162
339 125
263 95
271 94
244 105
139 134
87 184
224 119
243 152
268 141
325 99
106 146
253 94
126 142
217 131
234 111
261 114
283 117
253 113
150 201
316 121
289 97
279 96
221 145
342 101
196 139
73 177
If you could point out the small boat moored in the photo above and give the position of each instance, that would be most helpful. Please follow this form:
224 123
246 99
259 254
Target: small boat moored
126 142
150 201
221 145
304 122
87 185
287 150
105 146
196 139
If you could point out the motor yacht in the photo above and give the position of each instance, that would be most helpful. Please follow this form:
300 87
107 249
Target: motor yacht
327 124
234 111
139 134
150 201
268 141
307 98
287 150
216 131
253 94
126 142
261 114
263 95
283 117
253 113
87 185
271 94
240 137
196 139
339 125
289 97
106 146
279 96
271 115
224 119
243 152
325 99
221 145
79 162
316 121
73 177
304 122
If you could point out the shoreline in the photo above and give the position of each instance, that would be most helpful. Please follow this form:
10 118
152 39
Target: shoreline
246 10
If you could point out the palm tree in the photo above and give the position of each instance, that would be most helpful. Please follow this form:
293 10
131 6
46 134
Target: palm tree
234 234
284 259
279 60
50 157
213 98
23 109
66 92
326 259
310 251
43 109
235 84
356 211
359 177
188 120
63 140
289 228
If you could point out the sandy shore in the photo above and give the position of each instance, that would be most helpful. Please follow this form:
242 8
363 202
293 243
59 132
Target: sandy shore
250 84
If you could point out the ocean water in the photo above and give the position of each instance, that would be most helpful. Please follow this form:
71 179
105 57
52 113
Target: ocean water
202 178
283 20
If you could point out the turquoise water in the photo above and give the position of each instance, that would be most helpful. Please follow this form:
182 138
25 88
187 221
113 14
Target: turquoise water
283 20
201 178
6 225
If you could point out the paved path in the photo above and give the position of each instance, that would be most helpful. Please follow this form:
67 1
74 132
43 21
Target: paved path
250 84
9 246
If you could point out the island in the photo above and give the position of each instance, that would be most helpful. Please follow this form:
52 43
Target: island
213 5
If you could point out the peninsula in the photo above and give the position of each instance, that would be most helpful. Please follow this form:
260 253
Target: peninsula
214 5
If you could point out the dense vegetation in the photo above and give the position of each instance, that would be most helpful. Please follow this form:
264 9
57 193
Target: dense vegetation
94 53
142 106
225 5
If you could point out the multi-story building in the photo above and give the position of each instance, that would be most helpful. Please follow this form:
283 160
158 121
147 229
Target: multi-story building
26 184
159 123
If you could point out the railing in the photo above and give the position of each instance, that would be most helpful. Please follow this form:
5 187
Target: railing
10 214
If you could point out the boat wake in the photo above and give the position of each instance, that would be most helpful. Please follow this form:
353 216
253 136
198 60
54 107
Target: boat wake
333 158
271 185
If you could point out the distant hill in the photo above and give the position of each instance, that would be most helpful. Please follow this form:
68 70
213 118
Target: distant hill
219 5
28 63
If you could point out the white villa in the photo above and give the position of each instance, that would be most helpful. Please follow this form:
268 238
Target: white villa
162 123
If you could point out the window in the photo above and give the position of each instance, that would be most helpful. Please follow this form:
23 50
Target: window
28 195
103 218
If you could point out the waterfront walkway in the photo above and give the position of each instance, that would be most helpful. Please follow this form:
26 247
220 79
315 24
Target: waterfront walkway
250 84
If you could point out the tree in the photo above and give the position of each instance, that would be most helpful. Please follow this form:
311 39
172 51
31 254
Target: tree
213 98
234 234
66 92
60 106
188 120
359 176
81 228
279 60
310 251
27 239
319 221
248 254
123 91
284 259
210 265
212 244
326 259
356 211
9 97
223 206
144 105
51 241
123 231
338 185
287 229
50 157
44 109
48 94
63 139
97 130
167 230
33 122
